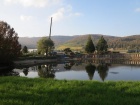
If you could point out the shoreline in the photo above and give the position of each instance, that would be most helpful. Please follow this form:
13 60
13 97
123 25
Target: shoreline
32 62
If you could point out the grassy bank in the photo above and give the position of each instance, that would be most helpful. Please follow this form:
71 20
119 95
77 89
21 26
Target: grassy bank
25 91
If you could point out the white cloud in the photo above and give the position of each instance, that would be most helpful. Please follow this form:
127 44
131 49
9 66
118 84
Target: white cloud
25 18
64 12
33 3
137 10
77 14
58 15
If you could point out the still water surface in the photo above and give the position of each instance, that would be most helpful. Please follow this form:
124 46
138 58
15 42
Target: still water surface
82 71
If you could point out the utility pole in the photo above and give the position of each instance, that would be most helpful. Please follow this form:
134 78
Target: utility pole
50 28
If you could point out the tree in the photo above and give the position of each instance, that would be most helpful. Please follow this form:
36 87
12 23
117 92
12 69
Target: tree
89 48
9 45
25 49
102 45
67 50
45 45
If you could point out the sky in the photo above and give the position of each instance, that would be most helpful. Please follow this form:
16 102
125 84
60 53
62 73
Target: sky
31 18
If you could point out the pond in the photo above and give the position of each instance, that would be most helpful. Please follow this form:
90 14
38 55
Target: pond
81 70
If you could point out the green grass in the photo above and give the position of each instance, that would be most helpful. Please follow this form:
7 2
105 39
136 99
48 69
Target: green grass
71 47
39 91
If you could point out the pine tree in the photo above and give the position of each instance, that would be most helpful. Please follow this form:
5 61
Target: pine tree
102 45
25 49
89 48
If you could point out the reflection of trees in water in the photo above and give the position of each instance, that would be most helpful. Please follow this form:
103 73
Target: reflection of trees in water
78 62
25 71
102 71
88 61
90 69
46 71
8 72
68 65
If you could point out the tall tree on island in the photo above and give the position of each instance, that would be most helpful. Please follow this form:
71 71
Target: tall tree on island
9 45
102 45
89 48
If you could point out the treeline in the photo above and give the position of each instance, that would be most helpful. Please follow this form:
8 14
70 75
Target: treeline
130 42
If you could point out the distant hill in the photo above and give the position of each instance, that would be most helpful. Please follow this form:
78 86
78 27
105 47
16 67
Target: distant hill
31 42
79 41
128 42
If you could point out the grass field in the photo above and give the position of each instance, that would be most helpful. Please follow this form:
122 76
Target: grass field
72 48
39 91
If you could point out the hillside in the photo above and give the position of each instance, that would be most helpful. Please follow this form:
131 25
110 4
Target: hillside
79 41
129 42
32 42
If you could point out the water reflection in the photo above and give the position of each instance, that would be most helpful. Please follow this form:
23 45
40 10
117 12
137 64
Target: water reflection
114 72
102 71
69 65
25 71
46 71
81 69
8 71
90 69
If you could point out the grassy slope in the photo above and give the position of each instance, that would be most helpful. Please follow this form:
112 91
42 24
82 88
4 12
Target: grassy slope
78 42
25 91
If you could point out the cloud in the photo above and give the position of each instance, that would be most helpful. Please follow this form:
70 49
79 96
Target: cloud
58 15
33 3
25 18
77 14
137 10
63 13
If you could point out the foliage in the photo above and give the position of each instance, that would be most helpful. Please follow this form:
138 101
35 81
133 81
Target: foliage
9 45
45 45
67 50
101 45
129 43
39 91
89 48
25 49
